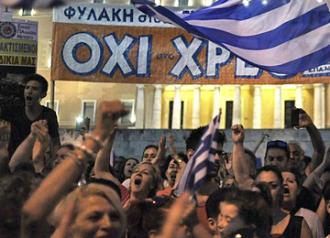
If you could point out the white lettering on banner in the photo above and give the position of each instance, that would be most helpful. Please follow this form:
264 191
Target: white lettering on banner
216 57
69 53
188 60
144 56
322 70
246 70
119 55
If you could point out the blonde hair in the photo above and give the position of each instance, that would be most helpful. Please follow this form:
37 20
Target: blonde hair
81 193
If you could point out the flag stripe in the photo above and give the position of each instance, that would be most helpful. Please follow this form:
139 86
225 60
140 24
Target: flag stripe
289 51
304 63
249 27
237 12
285 37
267 40
201 162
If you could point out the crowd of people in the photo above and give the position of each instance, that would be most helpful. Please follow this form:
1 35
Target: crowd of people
53 190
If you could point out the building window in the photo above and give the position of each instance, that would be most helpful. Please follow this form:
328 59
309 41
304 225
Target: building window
129 119
89 110
170 115
27 12
49 104
229 114
288 106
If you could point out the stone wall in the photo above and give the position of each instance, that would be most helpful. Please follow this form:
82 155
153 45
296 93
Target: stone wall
131 142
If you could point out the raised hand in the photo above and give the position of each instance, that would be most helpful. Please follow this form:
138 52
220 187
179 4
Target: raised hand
237 134
304 119
39 130
107 116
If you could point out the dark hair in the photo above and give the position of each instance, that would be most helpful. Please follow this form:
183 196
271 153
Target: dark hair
255 210
265 192
118 168
212 203
142 217
271 168
183 157
219 137
295 172
148 147
14 191
279 144
194 138
122 175
67 145
208 188
326 191
40 79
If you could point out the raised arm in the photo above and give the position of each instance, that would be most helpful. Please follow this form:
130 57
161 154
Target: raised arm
239 160
160 157
101 166
52 189
318 145
23 153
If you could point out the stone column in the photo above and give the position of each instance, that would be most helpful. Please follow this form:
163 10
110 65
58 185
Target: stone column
323 102
171 3
157 107
176 108
237 105
278 107
318 105
216 100
299 97
257 107
196 107
139 106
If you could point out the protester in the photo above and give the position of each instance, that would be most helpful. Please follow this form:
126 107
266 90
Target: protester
145 182
52 189
284 224
21 118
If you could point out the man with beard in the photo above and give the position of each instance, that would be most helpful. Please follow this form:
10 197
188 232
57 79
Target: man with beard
22 117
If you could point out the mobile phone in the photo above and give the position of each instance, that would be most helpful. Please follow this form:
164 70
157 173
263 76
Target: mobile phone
295 117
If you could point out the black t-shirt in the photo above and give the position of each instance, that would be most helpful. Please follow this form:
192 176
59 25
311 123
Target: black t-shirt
21 125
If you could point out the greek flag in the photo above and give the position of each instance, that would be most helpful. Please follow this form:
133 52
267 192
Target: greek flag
201 162
280 36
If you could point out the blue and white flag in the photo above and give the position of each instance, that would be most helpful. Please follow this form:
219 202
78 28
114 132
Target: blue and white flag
201 162
280 36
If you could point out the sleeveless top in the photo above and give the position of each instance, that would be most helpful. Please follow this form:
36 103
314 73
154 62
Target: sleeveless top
293 229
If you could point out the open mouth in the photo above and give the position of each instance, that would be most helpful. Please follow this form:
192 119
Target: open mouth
286 190
28 98
137 181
